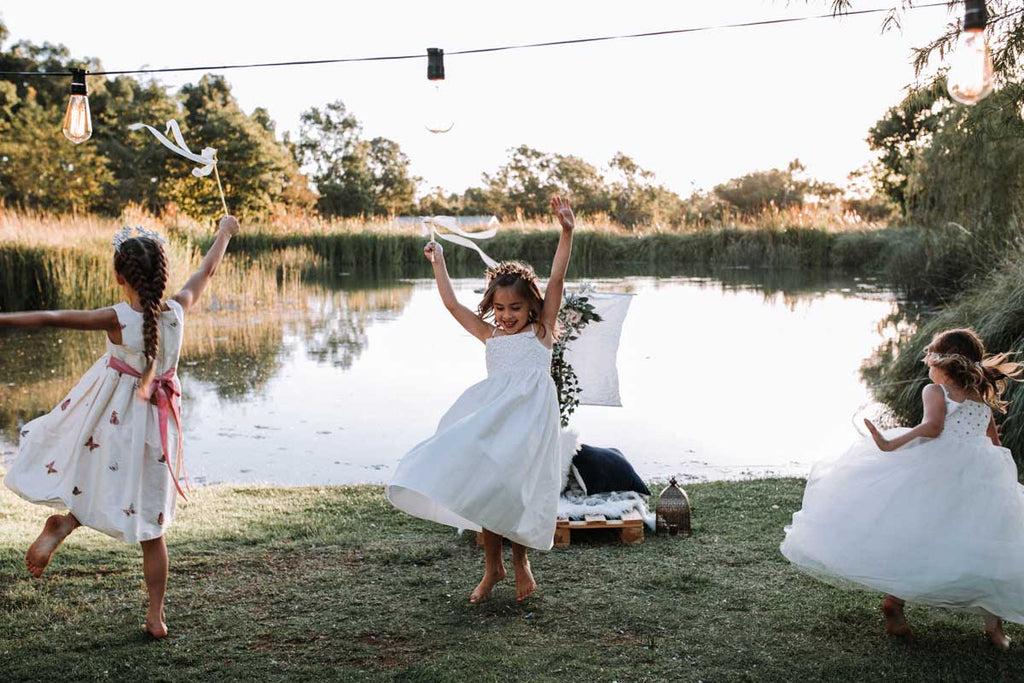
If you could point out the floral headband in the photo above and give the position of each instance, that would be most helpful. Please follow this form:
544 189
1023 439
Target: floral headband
931 357
512 268
125 233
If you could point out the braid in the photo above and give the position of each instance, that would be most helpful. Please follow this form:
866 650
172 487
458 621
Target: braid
143 264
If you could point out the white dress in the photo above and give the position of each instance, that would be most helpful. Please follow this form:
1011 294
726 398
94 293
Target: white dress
98 453
937 522
494 460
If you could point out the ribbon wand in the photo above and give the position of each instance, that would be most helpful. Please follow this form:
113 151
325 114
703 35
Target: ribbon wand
456 235
207 159
432 239
220 188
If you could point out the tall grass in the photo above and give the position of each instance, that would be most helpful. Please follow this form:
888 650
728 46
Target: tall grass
62 262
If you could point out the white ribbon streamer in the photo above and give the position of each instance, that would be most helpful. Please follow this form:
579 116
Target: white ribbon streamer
459 236
207 158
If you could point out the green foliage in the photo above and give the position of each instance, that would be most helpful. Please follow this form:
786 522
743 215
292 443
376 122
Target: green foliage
576 313
355 177
777 188
900 135
40 169
256 169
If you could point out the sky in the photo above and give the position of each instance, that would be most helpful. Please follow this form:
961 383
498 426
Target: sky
696 109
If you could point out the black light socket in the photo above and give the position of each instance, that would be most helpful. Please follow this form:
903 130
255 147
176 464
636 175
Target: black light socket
435 64
78 82
975 15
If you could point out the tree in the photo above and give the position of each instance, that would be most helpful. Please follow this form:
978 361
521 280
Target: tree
257 170
900 135
138 166
353 176
754 192
524 184
115 167
40 169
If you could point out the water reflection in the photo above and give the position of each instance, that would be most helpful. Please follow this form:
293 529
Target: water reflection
723 373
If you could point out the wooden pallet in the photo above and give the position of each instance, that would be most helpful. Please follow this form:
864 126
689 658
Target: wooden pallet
630 528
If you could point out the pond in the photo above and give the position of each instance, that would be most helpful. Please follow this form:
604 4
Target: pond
722 375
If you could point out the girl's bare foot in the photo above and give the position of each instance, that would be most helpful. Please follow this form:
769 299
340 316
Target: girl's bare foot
525 584
486 584
155 625
39 554
895 621
994 630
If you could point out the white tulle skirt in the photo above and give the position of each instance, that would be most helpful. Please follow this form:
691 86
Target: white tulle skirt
938 522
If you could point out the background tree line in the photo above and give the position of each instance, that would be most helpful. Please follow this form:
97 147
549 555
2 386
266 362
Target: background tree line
330 168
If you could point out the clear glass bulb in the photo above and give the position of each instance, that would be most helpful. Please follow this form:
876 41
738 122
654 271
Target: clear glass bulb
438 110
970 76
77 121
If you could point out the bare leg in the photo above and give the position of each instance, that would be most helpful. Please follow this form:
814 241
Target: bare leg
56 529
154 568
494 568
525 585
994 629
895 621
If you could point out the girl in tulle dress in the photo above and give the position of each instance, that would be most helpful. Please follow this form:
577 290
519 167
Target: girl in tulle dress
494 462
931 515
110 452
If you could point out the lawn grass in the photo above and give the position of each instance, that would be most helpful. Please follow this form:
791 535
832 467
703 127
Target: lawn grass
311 584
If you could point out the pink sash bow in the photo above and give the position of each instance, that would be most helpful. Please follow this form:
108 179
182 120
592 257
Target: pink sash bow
165 389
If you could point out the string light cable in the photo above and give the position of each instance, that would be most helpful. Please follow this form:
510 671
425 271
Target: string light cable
483 50
971 75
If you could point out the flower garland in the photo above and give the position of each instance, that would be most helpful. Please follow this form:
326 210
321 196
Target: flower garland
576 313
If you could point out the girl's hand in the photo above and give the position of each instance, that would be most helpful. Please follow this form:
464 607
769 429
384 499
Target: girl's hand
433 251
560 207
883 443
229 224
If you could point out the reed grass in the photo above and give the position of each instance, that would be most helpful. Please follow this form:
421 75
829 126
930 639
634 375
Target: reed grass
64 262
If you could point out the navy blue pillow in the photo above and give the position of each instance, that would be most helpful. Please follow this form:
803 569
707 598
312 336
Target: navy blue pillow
604 470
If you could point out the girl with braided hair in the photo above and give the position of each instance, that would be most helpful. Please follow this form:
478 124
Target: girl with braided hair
931 515
110 452
494 463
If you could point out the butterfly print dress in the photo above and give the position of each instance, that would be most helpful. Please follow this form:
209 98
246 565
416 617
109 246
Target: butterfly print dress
98 453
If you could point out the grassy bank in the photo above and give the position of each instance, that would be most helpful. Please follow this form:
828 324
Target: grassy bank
332 584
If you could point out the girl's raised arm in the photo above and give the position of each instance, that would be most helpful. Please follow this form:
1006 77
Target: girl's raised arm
468 319
553 294
190 293
931 426
100 319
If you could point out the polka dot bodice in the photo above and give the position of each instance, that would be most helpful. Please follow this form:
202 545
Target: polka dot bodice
966 419
521 352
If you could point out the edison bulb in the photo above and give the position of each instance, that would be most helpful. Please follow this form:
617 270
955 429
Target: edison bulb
77 121
439 118
971 75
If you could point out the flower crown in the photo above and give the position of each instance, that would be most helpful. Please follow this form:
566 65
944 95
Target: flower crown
931 356
125 233
516 268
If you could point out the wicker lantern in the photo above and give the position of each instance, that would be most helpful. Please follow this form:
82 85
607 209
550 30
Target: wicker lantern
673 511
